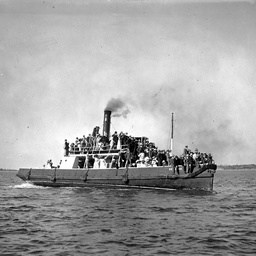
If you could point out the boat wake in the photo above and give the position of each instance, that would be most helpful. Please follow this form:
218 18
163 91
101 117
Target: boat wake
27 185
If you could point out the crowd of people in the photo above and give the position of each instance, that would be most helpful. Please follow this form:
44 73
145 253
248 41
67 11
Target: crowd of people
96 142
132 151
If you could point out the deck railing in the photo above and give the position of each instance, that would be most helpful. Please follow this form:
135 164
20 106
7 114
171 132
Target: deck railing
96 150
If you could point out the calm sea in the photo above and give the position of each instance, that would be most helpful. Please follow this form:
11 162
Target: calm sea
93 221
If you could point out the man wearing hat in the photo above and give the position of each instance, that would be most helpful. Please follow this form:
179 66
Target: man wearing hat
66 148
185 151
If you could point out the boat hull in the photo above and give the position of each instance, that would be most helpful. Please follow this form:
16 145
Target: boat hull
144 177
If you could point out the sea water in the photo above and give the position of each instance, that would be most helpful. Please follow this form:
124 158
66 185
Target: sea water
101 221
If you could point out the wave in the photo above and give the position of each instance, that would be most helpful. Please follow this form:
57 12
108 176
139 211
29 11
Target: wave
27 185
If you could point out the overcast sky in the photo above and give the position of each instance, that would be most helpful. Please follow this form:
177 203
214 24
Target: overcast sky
61 62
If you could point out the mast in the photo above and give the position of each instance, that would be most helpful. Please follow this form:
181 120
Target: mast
172 135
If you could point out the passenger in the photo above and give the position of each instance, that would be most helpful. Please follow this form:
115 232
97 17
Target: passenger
86 162
201 158
185 151
172 164
154 161
210 159
96 164
180 161
77 146
93 142
138 163
122 158
204 158
154 153
177 162
196 156
185 164
105 142
142 163
161 156
169 155
49 164
139 148
72 148
190 163
119 145
76 149
164 163
90 141
128 158
66 148
130 141
97 142
103 163
91 161
146 152
132 145
147 161
114 140
111 144
101 146
114 163
150 150
141 156
125 141
83 144
95 131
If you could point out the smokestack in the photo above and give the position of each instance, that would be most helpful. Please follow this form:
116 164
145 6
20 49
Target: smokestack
106 123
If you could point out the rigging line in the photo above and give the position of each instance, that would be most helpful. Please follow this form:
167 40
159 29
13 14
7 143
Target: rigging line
113 126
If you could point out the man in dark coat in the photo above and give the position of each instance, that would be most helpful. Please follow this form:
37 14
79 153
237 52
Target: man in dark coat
115 140
66 148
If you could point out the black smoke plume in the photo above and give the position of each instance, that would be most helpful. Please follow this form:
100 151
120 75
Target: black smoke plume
117 107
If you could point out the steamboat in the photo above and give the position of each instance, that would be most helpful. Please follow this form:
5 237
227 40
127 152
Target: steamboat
123 161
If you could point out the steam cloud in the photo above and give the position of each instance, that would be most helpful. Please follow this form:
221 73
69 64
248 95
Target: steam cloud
118 108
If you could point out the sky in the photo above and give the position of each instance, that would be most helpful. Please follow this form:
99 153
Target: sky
62 62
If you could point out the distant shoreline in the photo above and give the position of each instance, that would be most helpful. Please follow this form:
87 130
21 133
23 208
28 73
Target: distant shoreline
12 170
237 166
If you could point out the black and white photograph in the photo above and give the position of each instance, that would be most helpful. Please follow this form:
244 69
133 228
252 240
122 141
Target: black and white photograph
127 128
